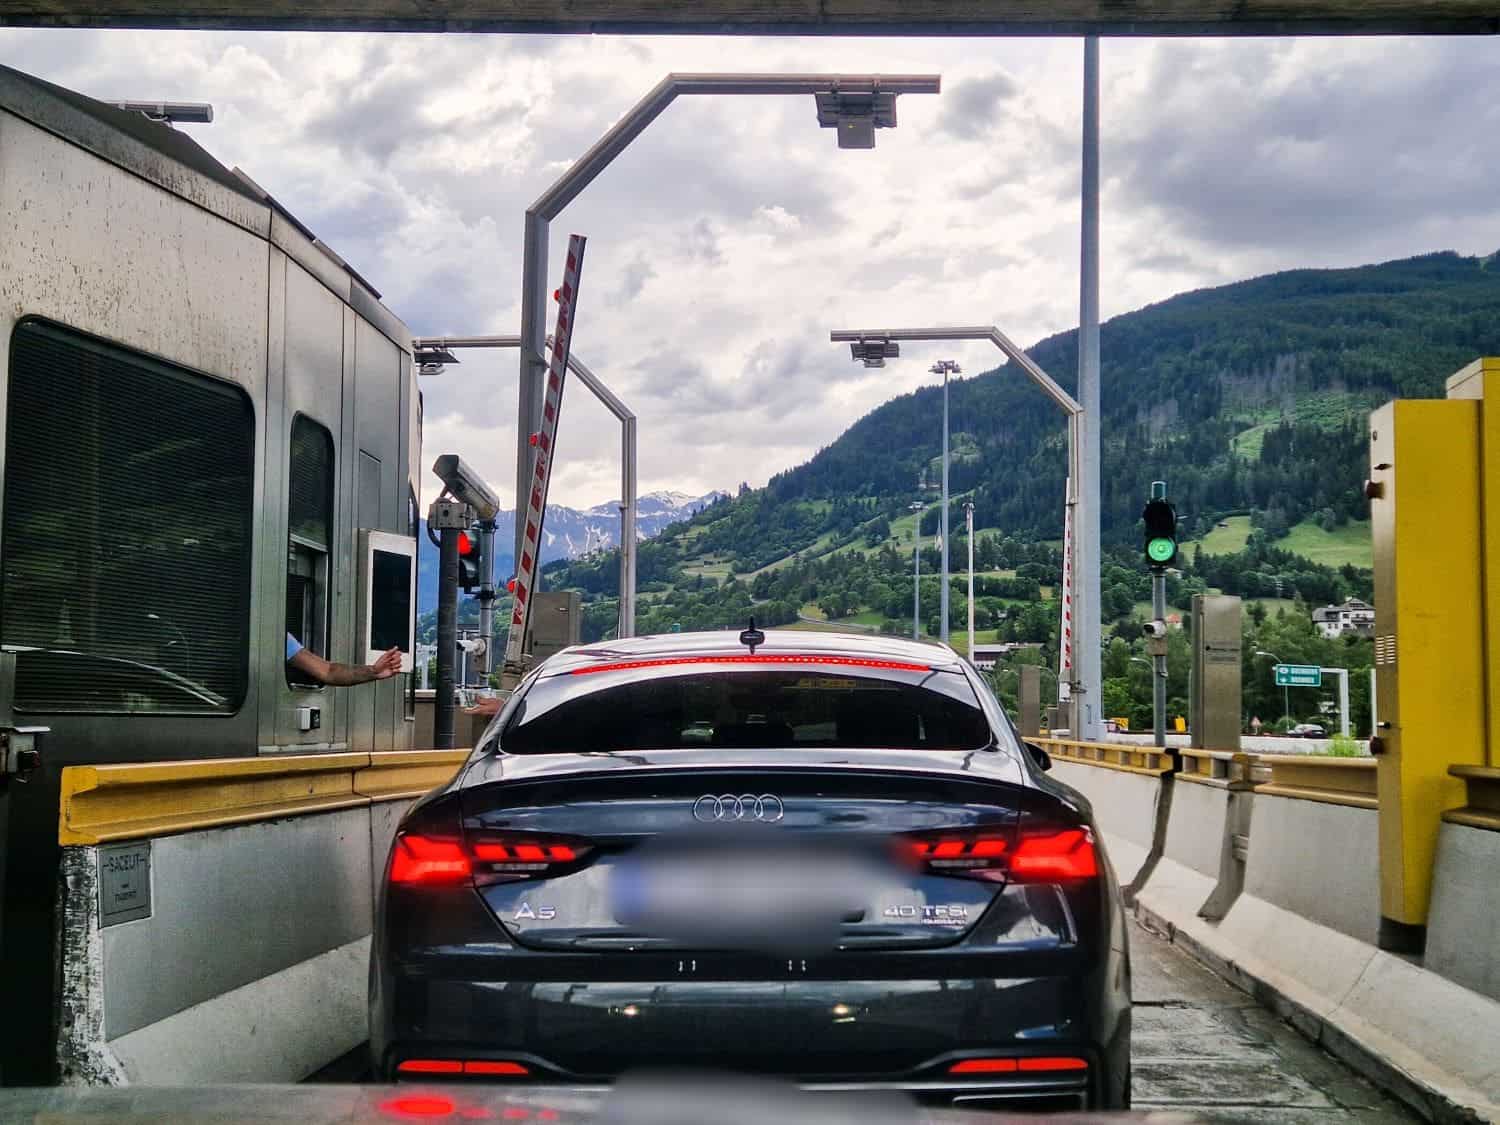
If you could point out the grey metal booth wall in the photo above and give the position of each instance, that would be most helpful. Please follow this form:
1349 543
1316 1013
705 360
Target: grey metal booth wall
220 281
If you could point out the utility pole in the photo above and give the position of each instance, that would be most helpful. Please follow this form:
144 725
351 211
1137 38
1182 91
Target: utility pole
916 588
1086 609
916 575
969 527
944 367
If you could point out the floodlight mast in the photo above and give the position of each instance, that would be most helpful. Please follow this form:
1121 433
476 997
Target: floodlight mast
854 98
871 341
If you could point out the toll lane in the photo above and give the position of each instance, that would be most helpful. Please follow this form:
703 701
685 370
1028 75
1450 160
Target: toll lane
1203 1047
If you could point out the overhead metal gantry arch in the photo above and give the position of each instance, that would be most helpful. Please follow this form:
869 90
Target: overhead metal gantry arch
784 17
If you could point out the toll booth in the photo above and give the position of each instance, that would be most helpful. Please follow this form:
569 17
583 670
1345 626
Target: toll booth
212 443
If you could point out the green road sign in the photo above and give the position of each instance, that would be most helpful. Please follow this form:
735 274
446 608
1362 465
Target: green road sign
1298 675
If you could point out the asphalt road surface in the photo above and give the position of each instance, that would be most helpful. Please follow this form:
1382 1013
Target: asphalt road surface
1202 1047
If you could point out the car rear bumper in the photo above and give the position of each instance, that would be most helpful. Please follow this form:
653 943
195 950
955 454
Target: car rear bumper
836 1035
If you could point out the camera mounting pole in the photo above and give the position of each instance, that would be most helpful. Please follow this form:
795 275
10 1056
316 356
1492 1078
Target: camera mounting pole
449 518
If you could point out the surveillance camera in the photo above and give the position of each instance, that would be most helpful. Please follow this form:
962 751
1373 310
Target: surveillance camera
467 486
1155 628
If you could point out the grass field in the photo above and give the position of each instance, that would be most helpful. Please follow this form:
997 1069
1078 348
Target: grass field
1224 540
719 570
1348 544
819 627
1247 443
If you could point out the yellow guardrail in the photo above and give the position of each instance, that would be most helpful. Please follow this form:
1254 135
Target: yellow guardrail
1483 808
128 801
1312 777
1110 755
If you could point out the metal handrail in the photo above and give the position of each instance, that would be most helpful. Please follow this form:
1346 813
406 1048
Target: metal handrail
1311 777
1150 760
1483 807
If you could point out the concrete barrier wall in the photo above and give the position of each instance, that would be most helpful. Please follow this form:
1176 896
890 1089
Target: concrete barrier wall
1463 929
1300 935
1318 860
257 942
1124 803
1195 830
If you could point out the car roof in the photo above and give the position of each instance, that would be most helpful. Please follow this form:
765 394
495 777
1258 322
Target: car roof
778 642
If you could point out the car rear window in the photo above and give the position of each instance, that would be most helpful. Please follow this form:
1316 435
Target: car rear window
762 709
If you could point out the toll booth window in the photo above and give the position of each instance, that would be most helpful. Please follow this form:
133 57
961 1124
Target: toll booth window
390 602
309 537
128 514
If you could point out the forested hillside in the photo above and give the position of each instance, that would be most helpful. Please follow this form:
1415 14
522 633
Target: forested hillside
1250 400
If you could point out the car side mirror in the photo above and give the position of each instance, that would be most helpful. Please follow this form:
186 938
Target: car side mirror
1042 759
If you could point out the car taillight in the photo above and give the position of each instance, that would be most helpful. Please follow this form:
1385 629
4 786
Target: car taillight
494 857
1037 856
1033 1064
506 856
425 861
1054 857
973 855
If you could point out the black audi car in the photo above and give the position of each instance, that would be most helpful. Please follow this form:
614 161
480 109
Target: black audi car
818 856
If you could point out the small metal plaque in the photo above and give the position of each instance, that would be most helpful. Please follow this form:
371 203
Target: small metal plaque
1215 655
124 882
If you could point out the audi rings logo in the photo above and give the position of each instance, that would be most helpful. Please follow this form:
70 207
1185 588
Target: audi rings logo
766 808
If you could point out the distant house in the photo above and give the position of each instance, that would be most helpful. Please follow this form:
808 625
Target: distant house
1354 616
986 656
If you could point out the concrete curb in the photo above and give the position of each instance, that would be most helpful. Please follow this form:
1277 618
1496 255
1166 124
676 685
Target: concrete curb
1437 1096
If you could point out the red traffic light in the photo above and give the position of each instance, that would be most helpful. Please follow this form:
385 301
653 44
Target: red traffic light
466 544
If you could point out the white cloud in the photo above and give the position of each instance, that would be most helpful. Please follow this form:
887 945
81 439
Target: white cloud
733 234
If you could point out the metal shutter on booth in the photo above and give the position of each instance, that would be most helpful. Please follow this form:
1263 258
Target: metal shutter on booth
311 483
127 526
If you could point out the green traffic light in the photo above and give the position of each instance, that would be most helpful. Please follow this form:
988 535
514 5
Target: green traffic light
1161 550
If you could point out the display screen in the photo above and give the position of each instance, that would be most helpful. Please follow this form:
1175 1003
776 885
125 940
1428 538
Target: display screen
390 601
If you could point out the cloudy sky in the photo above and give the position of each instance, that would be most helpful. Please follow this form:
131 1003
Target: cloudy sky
728 240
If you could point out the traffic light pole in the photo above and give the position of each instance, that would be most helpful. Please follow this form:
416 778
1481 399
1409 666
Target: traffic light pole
447 639
1159 663
1159 617
449 519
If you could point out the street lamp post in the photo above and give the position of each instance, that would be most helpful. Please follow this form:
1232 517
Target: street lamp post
969 532
1286 694
442 345
944 367
854 104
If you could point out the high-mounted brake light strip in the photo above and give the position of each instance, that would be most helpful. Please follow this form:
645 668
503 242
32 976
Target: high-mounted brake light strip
803 660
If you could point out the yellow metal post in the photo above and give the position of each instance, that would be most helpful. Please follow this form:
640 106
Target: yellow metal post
1426 526
1481 380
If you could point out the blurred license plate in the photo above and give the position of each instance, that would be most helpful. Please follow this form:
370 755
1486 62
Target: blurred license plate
732 891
